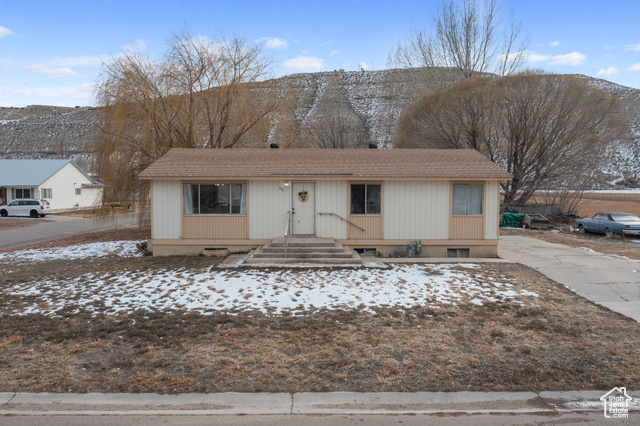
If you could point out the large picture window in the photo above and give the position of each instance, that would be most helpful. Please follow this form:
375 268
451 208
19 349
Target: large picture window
366 198
22 193
215 198
467 199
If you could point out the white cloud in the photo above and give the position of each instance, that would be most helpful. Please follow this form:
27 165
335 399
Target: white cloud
608 71
573 59
47 69
4 31
81 92
274 43
534 57
138 46
513 56
554 43
334 52
634 47
362 66
635 67
76 61
304 63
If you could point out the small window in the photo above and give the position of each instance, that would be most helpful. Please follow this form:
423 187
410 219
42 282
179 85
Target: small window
78 191
467 199
46 193
458 252
366 198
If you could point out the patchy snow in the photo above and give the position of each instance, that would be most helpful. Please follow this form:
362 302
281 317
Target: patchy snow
80 251
267 291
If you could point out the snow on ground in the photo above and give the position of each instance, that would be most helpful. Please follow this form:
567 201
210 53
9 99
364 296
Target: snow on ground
267 291
80 251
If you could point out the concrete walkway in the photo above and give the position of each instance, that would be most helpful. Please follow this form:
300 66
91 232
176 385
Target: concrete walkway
331 403
609 281
62 226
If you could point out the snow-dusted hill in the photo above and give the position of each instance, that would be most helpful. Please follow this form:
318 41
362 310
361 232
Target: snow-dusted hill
372 100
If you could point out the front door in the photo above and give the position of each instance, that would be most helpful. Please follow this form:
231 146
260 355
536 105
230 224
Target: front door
303 208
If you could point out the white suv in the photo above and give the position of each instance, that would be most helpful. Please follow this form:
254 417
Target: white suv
26 207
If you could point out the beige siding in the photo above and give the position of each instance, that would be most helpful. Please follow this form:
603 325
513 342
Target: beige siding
416 210
63 186
466 228
331 197
492 207
373 226
167 208
267 209
215 226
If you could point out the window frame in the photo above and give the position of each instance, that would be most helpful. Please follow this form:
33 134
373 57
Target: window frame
44 193
78 191
21 197
366 184
467 198
186 185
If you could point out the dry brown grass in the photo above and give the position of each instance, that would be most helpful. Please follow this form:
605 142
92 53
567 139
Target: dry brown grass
557 341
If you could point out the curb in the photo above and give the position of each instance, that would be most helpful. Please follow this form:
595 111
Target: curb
329 403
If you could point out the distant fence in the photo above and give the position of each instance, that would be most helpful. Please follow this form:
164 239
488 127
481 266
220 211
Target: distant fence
612 196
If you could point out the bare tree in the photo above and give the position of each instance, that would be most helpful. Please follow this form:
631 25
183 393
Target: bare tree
199 94
546 130
466 37
339 132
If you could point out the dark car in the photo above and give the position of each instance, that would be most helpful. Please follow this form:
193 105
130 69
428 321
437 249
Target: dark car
610 223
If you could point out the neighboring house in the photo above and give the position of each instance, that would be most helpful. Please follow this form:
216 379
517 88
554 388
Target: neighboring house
204 200
61 182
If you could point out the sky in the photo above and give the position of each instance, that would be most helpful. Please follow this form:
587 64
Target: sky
51 51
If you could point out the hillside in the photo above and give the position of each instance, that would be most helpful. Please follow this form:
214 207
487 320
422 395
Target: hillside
370 100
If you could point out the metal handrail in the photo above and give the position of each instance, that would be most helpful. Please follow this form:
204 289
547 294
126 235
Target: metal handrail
340 217
286 233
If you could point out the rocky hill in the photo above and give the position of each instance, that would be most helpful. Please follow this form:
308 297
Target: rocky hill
369 100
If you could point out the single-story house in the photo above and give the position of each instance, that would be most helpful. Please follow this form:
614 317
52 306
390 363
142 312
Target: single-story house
205 200
61 182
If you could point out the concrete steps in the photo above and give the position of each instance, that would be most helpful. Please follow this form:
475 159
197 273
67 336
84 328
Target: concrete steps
304 250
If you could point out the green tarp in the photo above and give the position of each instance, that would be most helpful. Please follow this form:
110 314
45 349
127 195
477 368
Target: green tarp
511 220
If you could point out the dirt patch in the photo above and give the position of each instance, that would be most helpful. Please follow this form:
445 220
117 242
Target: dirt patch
617 245
556 341
12 223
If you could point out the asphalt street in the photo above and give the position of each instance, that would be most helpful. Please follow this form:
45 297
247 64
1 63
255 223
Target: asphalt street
62 226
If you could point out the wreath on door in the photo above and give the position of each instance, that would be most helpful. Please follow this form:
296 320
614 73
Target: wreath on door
303 196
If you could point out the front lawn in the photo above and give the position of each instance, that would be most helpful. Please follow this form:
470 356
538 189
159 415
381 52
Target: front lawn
103 319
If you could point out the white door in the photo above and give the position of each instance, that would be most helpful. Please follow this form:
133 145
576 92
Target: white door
303 210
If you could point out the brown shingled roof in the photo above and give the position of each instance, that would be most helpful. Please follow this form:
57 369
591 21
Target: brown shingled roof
293 163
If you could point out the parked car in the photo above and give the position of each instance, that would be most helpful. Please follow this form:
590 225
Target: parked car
26 207
610 223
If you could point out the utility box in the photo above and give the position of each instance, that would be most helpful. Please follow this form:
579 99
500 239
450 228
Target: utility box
536 221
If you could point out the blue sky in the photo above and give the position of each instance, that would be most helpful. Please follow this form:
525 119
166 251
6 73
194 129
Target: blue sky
51 51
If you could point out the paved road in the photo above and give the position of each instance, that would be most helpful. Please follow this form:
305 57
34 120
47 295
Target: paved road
606 280
61 226
456 419
332 408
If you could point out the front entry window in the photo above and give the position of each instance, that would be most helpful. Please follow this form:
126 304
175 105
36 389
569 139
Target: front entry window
366 198
215 198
